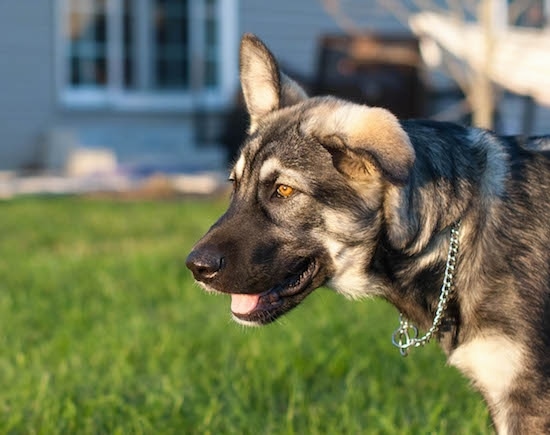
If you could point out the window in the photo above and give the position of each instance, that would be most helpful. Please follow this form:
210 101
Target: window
147 54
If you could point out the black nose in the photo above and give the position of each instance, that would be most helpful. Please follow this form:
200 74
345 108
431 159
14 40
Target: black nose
205 264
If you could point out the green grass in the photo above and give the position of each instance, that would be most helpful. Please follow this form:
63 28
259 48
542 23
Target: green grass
103 331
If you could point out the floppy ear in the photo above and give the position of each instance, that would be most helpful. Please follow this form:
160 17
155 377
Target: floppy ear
265 88
361 139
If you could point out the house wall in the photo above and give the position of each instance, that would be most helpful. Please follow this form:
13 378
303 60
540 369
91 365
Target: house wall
30 109
26 79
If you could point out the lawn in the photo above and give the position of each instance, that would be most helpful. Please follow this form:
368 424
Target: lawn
103 331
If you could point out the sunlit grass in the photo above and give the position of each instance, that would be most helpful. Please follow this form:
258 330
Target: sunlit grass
103 331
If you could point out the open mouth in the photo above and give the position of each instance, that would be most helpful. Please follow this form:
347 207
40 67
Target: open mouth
262 308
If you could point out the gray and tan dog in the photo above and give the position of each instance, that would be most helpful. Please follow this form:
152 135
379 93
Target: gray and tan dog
448 223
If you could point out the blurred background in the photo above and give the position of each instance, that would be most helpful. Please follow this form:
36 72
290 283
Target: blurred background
105 94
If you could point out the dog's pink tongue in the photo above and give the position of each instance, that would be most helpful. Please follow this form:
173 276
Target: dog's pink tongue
243 304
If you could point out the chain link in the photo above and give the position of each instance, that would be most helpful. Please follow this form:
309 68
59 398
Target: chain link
406 335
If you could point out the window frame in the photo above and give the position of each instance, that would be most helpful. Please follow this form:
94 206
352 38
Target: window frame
116 97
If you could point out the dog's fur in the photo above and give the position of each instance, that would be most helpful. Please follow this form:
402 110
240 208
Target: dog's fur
369 212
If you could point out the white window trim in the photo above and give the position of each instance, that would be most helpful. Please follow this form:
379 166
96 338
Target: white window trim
115 98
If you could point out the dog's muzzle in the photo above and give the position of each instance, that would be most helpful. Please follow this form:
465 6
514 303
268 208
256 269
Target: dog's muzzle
252 305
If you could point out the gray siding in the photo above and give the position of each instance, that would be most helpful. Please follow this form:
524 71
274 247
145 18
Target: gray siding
292 28
511 109
26 79
542 121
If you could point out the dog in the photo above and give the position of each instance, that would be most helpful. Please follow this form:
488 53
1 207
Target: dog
448 223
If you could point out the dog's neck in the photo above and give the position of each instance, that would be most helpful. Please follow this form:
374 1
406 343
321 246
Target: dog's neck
417 295
406 336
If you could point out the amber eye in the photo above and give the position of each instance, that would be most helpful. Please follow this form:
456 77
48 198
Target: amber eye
284 191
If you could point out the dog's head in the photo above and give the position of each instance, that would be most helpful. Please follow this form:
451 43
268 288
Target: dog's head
308 194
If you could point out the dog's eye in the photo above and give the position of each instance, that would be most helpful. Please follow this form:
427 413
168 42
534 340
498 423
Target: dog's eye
284 191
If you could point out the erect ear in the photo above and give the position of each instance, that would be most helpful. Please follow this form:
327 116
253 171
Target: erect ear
361 139
265 88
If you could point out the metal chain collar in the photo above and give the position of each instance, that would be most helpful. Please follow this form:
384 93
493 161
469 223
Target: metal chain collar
406 335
